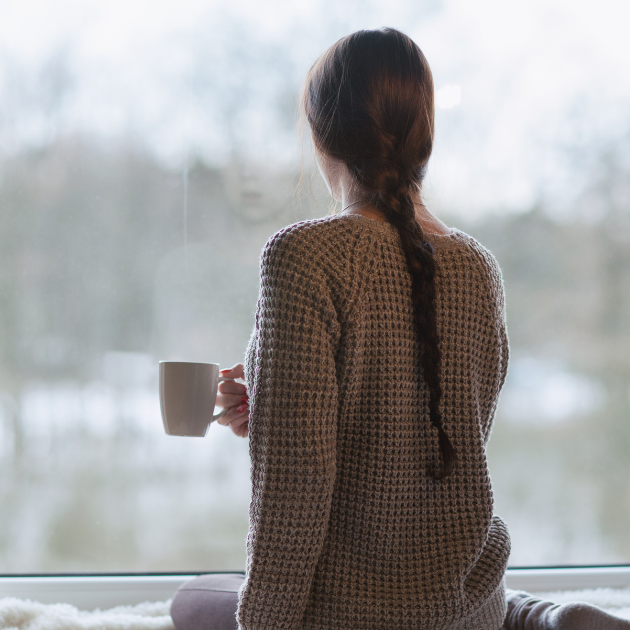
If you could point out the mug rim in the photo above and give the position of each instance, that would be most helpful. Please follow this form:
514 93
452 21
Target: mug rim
189 362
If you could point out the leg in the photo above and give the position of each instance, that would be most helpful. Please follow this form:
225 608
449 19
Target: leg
207 603
526 612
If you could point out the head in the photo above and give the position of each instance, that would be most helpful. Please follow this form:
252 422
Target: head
369 104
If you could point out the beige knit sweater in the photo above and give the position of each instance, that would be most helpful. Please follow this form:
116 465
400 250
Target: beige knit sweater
347 529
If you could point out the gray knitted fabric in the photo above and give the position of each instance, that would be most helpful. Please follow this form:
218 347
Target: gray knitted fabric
347 528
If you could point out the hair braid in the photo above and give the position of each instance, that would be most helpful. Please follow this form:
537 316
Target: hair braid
369 103
399 209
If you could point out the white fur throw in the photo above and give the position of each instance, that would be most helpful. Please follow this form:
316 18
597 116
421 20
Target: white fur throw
21 614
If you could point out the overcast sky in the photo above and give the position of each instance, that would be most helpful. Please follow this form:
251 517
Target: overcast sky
537 80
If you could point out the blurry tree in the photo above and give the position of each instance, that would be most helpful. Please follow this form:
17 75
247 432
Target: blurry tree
568 301
94 258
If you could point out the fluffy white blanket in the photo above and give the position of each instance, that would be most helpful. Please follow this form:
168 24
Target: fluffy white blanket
20 614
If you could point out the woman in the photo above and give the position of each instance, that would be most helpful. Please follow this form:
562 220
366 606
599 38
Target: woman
373 373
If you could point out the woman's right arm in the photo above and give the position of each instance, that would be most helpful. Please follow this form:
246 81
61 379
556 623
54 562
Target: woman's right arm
290 369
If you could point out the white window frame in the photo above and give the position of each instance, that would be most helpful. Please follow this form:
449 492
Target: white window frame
107 591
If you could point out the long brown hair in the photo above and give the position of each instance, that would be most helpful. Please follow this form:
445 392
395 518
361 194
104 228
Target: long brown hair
369 102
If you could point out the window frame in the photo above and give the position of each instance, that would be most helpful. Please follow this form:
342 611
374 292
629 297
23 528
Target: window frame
88 592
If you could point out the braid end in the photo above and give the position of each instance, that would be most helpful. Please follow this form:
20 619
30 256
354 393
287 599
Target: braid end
447 453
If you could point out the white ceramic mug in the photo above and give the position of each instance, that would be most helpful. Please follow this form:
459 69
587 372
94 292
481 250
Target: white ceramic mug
188 393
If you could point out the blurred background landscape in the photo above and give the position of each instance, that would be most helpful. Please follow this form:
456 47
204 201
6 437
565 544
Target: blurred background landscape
148 151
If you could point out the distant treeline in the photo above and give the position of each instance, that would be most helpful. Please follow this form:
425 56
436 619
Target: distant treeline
94 258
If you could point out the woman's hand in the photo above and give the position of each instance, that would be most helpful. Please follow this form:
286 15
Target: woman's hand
233 396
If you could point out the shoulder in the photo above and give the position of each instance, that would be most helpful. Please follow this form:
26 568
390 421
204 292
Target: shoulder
461 245
482 255
297 237
459 255
326 244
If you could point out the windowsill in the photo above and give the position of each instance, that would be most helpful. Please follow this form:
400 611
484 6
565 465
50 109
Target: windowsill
93 591
107 591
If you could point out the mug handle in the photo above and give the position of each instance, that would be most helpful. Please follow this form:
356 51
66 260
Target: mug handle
221 413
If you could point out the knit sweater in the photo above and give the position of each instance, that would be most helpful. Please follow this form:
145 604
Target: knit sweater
348 530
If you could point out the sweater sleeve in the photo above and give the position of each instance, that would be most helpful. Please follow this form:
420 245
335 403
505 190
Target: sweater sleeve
500 344
290 369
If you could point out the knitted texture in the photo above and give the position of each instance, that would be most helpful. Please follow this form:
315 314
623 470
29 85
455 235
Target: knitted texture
347 528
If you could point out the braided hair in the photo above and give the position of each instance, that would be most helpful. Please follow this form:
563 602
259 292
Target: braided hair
369 103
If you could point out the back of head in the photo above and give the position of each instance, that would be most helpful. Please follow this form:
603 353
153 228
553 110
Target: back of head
369 103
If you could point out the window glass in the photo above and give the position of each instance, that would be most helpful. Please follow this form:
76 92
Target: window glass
147 151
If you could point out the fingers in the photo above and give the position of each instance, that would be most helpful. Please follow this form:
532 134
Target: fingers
235 413
233 397
240 426
231 400
237 418
231 393
232 387
233 372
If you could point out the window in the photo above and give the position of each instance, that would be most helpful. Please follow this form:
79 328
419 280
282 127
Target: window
147 153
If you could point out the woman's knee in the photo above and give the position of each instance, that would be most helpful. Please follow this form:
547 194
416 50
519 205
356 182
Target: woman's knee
207 603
